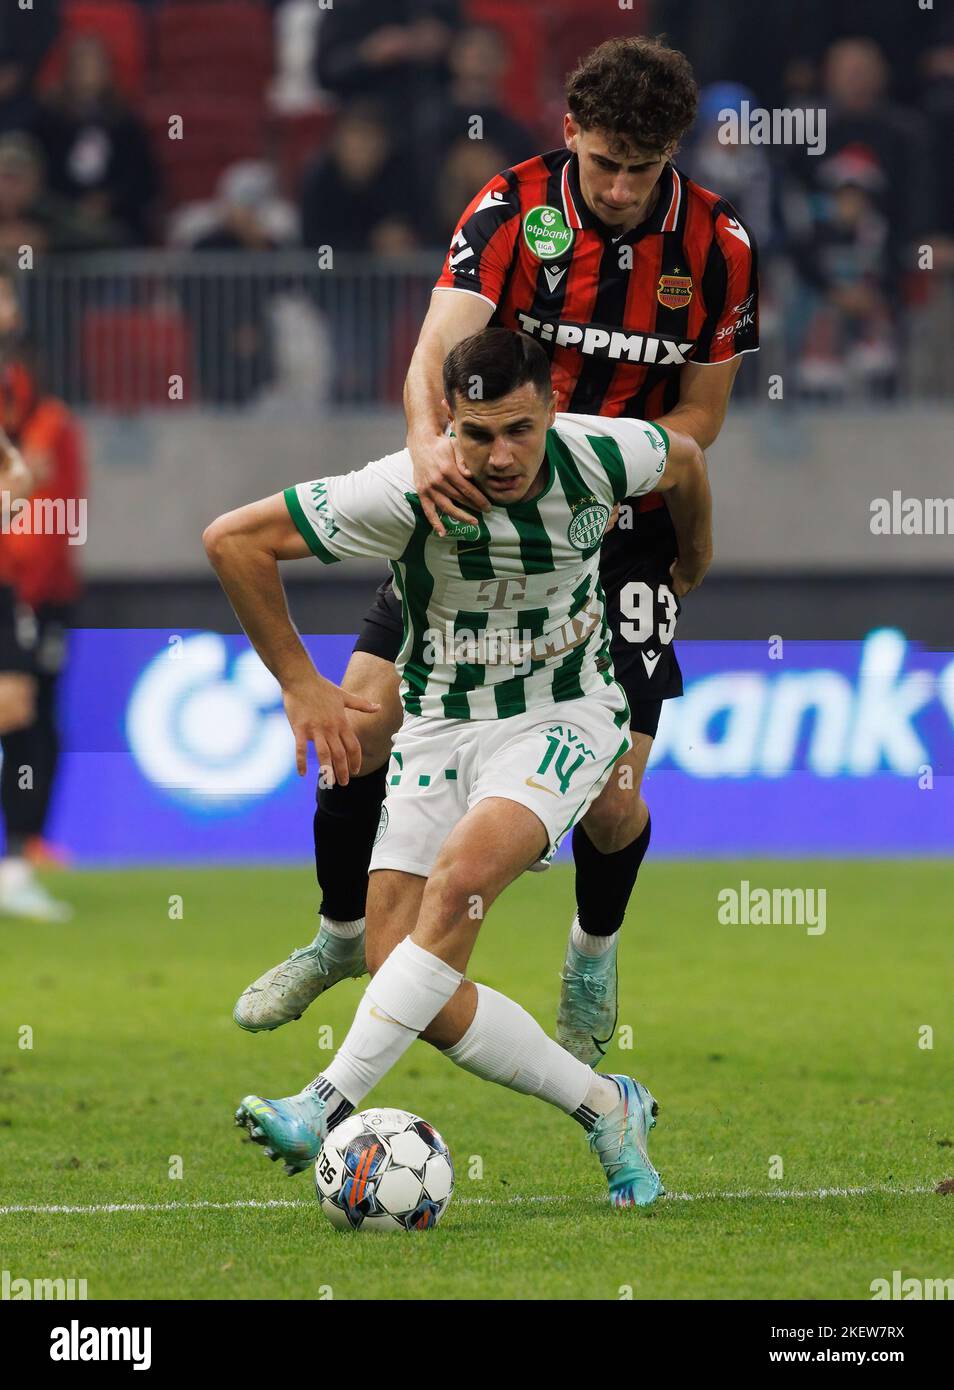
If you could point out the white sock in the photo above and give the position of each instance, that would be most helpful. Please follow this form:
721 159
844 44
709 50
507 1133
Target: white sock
406 994
348 930
588 945
504 1044
15 872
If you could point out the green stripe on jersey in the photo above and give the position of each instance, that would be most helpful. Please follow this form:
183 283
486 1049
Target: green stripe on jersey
536 552
415 585
468 676
608 452
574 486
510 696
566 678
473 556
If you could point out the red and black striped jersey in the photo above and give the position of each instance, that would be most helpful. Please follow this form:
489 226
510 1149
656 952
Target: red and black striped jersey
619 316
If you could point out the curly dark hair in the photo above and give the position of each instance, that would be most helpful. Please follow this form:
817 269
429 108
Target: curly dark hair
638 89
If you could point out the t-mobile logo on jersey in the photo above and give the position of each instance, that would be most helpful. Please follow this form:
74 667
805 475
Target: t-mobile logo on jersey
607 342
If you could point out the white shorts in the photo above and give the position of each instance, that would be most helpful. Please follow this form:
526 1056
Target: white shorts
554 760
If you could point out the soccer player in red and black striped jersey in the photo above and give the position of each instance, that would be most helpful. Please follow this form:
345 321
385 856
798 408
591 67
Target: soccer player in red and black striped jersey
642 288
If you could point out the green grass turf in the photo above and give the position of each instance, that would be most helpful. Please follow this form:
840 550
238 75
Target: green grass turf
758 1041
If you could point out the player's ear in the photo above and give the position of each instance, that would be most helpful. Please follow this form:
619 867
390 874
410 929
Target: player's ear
570 132
551 413
447 410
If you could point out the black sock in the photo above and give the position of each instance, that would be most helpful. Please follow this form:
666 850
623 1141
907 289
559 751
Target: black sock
604 882
24 806
346 823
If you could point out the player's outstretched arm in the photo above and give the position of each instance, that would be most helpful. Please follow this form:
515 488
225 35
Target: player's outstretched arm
244 548
442 484
689 498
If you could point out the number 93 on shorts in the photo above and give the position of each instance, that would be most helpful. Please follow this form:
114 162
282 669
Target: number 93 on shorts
554 759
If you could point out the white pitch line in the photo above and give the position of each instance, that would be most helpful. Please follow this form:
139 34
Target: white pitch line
747 1194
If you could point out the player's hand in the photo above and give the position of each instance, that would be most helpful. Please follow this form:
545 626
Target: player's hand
686 577
15 477
318 714
613 518
442 482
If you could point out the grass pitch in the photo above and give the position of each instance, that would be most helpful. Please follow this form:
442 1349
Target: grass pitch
784 1063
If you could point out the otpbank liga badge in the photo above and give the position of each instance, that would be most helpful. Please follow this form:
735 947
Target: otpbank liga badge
547 234
586 529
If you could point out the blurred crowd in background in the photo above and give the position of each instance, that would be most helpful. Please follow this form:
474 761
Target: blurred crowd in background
352 127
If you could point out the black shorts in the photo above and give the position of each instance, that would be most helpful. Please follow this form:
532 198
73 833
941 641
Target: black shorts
383 629
17 636
641 608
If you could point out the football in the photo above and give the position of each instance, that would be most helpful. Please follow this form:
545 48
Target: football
384 1170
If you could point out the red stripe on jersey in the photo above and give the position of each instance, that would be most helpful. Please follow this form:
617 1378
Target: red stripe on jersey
582 287
641 308
696 239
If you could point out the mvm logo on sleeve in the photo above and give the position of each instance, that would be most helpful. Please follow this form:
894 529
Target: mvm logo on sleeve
75 1343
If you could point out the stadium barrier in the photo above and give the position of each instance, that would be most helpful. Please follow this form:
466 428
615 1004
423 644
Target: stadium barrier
139 330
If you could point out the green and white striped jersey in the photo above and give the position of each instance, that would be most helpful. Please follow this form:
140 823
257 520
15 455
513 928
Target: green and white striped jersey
508 615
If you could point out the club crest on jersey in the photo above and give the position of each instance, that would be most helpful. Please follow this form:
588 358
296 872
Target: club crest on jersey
590 516
546 233
674 291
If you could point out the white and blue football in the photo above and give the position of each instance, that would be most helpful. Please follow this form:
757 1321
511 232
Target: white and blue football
384 1170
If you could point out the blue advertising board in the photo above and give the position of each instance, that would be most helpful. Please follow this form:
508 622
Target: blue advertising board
176 748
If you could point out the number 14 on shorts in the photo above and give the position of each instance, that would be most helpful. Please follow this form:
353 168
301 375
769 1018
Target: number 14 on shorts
565 754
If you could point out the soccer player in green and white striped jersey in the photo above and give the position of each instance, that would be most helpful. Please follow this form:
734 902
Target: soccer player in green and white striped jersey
513 721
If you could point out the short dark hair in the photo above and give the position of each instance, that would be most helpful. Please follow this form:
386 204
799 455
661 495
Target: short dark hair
638 89
492 363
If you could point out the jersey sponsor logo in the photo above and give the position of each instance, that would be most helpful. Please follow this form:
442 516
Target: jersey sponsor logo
546 233
597 341
746 304
555 275
464 252
657 443
463 530
590 516
323 518
509 647
744 321
674 291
